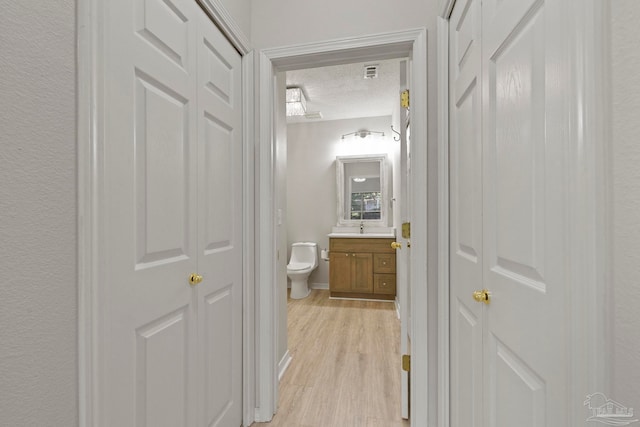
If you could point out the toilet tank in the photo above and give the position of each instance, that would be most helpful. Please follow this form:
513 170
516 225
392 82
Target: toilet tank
304 253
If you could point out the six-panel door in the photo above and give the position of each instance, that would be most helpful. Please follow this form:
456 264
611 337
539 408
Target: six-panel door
525 64
169 353
508 121
465 156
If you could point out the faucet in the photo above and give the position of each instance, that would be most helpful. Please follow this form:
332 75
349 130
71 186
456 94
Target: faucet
361 227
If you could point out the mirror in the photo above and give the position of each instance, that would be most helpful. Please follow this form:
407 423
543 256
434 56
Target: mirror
362 189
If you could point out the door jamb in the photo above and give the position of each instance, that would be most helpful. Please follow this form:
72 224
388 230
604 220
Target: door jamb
443 220
589 183
394 44
249 246
89 98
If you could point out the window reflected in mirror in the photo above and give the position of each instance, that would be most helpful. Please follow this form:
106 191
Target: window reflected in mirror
361 189
366 199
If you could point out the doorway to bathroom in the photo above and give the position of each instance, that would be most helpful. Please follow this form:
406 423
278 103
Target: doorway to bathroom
273 156
343 173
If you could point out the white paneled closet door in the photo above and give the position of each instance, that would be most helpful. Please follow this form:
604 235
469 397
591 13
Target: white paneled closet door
509 360
465 154
219 295
170 350
525 122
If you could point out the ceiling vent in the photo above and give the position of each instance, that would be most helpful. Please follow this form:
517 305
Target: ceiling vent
370 71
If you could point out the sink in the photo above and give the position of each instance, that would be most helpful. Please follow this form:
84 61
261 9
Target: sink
350 235
369 233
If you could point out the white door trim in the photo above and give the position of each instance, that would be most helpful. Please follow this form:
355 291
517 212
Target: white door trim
229 27
445 8
443 221
589 247
248 232
380 46
266 392
89 146
90 122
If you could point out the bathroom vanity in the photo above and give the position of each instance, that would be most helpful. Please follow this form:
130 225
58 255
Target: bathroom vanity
362 267
362 263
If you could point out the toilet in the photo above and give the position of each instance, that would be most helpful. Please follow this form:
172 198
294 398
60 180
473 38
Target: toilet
304 259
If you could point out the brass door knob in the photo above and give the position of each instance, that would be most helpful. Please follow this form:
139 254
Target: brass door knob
194 279
482 296
396 245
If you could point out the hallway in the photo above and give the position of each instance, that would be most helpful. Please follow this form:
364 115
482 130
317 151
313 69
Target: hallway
345 367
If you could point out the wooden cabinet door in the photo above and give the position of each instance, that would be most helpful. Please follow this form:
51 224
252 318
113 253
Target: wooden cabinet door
340 271
362 273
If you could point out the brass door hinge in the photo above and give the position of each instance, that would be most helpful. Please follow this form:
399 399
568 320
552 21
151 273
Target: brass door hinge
406 230
406 362
404 99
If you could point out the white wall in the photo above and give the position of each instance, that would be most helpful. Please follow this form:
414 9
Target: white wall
311 176
240 11
625 39
288 22
38 307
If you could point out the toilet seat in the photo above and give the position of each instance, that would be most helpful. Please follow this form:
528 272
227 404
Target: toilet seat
297 266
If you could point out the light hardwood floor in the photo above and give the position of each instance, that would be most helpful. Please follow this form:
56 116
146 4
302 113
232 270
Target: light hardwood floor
345 370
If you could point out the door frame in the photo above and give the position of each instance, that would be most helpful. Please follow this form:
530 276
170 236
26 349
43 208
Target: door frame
412 42
90 141
589 299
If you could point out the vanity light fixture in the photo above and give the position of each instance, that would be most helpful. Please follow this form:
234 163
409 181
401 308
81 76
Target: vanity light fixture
296 102
356 179
363 133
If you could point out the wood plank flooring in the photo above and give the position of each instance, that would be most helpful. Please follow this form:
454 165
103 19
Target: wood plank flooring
345 370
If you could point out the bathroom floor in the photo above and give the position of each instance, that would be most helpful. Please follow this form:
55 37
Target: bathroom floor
345 370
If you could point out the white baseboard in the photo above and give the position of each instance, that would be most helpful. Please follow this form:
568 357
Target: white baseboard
390 301
259 417
313 286
284 364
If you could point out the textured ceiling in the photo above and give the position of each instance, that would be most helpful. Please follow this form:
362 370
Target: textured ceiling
341 92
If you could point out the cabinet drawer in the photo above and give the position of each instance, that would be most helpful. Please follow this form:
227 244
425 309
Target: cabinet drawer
384 263
340 244
384 284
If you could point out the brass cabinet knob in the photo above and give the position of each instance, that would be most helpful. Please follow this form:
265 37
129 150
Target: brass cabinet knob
396 245
194 279
482 296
